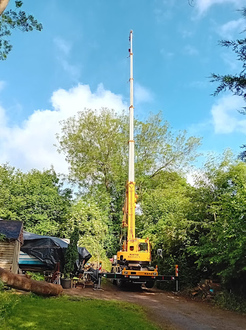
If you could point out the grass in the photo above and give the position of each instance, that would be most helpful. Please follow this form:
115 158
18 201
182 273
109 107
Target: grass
70 313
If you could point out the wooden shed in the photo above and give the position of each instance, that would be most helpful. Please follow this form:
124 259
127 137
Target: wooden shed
11 239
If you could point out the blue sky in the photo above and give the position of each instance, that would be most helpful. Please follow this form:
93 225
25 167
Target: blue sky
80 60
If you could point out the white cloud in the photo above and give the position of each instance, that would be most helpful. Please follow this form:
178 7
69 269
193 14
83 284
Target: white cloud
63 48
228 30
63 45
142 94
204 5
226 118
31 144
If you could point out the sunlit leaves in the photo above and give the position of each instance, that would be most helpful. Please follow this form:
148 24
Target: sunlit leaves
36 198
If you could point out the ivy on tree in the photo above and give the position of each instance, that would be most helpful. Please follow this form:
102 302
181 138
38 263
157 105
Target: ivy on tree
15 19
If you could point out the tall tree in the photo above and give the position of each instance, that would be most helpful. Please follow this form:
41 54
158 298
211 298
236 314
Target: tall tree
95 145
14 19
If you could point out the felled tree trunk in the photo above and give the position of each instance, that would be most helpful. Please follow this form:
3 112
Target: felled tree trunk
21 282
3 5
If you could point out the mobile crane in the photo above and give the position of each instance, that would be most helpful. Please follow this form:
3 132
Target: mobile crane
132 264
134 258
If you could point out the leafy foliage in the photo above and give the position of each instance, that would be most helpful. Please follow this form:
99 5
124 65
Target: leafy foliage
231 301
15 19
2 237
165 207
95 145
92 223
221 246
36 198
72 252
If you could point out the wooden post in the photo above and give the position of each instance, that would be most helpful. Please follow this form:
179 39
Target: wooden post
177 277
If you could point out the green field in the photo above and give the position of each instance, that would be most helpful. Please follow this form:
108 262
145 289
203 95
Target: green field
70 313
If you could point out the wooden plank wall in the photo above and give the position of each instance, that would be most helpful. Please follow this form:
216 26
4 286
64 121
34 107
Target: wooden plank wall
9 254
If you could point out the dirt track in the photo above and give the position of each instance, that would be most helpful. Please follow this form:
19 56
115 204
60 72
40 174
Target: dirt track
168 310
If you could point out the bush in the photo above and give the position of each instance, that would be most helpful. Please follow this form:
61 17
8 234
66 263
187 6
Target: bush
231 302
36 276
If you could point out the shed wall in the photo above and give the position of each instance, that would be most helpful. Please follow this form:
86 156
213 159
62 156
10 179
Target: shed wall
9 255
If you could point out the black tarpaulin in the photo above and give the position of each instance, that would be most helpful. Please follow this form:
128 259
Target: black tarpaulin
50 250
10 229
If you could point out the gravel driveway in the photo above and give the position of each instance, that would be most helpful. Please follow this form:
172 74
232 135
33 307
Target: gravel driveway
169 310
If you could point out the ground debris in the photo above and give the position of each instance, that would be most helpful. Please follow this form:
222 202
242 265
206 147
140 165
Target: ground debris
205 290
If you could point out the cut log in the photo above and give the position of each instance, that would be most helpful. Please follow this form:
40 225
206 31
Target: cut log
21 282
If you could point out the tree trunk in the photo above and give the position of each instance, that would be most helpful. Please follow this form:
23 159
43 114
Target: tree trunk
21 282
3 5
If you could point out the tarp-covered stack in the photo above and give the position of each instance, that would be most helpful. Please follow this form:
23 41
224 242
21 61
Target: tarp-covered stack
48 251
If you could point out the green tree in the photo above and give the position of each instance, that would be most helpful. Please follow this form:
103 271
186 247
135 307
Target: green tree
36 198
14 19
221 246
71 254
165 208
92 222
95 145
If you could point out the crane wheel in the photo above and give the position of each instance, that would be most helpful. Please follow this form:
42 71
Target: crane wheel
149 284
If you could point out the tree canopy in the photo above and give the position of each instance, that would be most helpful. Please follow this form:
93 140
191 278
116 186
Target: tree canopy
95 146
36 198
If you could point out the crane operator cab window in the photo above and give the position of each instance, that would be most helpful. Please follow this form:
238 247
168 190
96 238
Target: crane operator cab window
143 247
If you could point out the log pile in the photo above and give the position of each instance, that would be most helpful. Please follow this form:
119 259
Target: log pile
21 282
206 290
